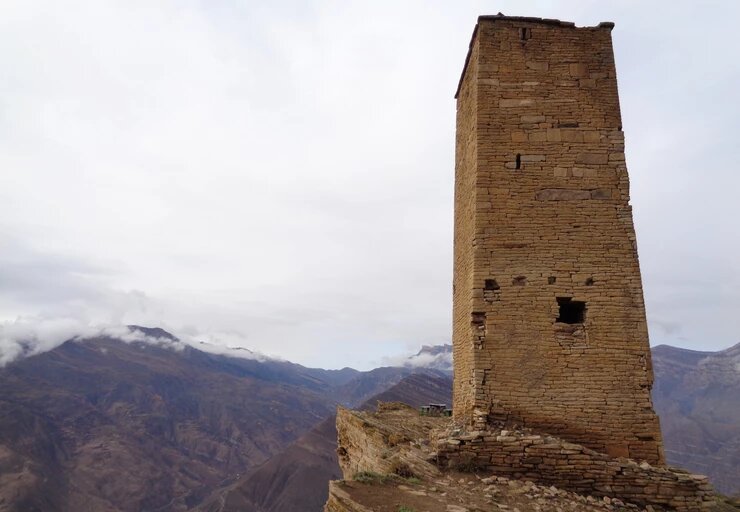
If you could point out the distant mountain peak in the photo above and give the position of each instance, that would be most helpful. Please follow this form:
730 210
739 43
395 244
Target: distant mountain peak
435 349
153 332
437 357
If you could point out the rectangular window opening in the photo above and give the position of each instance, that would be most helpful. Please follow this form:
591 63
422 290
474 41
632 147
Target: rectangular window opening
491 284
571 311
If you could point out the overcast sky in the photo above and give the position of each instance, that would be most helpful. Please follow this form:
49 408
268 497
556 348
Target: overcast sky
279 175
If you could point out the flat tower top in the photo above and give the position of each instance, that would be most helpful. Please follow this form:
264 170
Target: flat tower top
523 19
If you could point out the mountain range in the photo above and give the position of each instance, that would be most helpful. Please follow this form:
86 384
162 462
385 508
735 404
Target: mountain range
102 424
697 396
106 425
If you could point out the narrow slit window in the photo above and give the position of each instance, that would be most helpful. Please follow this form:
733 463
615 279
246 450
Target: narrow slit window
525 33
571 311
518 163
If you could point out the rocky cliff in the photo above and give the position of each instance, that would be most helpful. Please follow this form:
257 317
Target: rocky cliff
297 478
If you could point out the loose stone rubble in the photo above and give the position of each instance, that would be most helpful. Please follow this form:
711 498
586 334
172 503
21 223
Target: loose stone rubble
548 460
393 457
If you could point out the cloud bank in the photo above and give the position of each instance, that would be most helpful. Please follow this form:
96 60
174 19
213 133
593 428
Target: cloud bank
26 337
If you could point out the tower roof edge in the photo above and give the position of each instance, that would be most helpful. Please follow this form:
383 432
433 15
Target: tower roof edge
526 19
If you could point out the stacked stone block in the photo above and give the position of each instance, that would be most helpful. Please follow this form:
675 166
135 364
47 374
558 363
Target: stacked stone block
548 460
549 323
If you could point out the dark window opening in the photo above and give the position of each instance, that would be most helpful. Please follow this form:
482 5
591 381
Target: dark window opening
590 281
551 280
571 311
518 161
491 284
478 318
525 33
519 281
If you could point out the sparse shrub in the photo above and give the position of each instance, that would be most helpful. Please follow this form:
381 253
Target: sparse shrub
403 470
367 477
372 478
404 508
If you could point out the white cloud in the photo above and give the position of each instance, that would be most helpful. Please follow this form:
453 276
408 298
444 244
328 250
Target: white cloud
425 360
29 336
25 337
438 357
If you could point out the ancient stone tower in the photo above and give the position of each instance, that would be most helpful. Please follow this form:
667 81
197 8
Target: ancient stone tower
549 318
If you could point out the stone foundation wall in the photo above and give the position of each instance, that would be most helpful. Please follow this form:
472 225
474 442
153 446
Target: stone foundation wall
552 461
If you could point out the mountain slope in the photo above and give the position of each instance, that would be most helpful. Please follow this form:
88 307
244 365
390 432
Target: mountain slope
697 395
108 425
152 423
297 479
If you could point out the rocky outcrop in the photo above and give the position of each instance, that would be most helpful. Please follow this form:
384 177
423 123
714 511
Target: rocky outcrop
395 458
385 442
341 501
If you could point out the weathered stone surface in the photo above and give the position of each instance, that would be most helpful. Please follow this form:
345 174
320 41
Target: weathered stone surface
516 102
538 65
365 441
551 461
543 166
513 469
579 69
592 158
562 194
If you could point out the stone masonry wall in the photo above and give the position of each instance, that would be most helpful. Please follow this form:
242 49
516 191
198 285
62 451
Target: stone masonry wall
544 236
551 461
465 194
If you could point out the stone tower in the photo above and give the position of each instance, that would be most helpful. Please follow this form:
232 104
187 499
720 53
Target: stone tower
549 318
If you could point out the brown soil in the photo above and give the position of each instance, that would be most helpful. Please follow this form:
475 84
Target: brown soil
461 492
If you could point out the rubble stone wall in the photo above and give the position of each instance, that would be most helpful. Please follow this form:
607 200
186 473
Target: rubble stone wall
542 218
552 461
